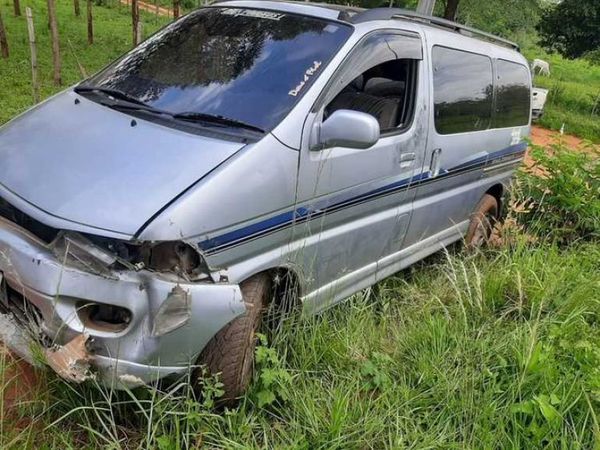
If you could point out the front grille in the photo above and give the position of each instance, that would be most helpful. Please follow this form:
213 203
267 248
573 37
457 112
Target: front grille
44 232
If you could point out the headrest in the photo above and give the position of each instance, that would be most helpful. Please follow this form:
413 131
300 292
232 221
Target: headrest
384 87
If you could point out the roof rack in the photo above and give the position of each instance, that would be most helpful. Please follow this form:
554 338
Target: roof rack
345 12
399 13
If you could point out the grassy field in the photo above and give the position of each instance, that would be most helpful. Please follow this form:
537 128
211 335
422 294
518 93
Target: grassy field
574 98
494 349
112 38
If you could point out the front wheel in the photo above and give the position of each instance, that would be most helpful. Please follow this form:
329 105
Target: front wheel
230 352
482 222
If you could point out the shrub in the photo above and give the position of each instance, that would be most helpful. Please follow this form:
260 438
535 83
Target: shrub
593 57
562 190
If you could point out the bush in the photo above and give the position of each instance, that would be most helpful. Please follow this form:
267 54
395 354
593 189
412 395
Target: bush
593 57
562 191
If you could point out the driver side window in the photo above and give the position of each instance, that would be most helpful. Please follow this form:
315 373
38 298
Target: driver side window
379 79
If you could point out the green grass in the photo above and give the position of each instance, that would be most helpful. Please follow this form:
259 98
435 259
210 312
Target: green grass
574 98
112 38
498 349
494 350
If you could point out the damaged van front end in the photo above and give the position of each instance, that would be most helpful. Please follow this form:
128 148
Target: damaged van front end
76 276
95 313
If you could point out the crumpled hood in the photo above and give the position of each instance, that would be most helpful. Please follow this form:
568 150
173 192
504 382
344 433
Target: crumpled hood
86 163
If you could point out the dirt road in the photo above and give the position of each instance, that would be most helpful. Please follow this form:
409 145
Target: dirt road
544 137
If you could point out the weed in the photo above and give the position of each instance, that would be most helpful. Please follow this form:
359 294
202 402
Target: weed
560 195
273 380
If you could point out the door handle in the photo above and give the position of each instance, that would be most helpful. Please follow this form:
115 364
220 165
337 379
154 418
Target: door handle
434 167
407 159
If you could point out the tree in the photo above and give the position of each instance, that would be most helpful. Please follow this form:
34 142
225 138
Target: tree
451 9
135 19
55 42
17 7
90 23
3 41
571 27
501 17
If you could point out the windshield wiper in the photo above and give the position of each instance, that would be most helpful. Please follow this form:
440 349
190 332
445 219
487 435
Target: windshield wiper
122 101
114 93
127 102
214 118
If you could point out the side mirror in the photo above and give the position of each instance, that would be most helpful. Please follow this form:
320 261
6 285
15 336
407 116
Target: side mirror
347 128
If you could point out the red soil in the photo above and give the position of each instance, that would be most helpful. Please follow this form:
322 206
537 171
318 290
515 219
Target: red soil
19 384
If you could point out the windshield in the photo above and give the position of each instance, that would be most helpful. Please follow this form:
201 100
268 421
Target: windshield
246 65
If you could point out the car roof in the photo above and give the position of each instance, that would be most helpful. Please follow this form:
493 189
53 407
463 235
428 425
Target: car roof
356 15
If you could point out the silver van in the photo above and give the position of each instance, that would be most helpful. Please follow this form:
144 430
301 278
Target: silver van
248 150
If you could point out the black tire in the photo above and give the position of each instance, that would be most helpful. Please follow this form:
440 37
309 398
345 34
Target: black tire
482 222
230 352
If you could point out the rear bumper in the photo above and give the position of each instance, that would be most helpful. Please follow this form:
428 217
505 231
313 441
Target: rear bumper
34 276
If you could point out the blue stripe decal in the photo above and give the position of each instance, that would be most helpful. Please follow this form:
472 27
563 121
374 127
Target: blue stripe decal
306 213
255 228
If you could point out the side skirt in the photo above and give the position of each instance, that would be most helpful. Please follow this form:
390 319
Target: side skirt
349 284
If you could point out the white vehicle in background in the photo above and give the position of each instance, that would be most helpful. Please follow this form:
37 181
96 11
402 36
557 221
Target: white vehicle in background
538 100
539 95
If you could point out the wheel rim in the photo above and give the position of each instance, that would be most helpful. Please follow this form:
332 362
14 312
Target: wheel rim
483 231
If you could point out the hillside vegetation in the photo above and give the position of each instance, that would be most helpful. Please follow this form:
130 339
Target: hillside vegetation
493 349
574 97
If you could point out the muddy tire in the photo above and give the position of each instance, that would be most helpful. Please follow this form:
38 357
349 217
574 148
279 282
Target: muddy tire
482 222
230 352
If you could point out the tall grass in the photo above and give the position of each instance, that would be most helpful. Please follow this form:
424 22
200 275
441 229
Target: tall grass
494 349
497 349
560 194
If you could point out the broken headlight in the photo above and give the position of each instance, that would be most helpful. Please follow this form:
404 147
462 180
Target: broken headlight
74 250
103 256
175 257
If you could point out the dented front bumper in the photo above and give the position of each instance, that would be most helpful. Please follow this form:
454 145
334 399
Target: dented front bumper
131 355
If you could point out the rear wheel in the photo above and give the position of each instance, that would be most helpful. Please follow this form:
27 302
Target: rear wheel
482 222
230 352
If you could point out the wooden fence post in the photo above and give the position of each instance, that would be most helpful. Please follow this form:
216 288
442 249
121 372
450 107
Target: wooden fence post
140 32
135 18
90 23
76 8
175 9
34 77
55 41
3 40
17 6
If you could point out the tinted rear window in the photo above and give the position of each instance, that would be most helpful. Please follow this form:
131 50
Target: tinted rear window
244 64
513 96
462 90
